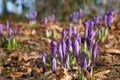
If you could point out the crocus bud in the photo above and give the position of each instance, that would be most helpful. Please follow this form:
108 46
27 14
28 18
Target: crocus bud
105 17
96 20
85 66
109 19
92 24
86 25
82 57
45 21
80 12
44 62
74 30
1 29
63 34
69 44
71 16
66 62
15 31
94 52
70 32
60 53
53 48
9 32
76 48
34 15
78 38
64 48
53 18
54 65
90 34
7 25
112 12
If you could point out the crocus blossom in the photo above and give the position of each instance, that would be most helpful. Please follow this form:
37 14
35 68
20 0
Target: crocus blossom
44 62
76 48
60 53
69 44
53 48
15 31
63 34
70 32
1 29
94 52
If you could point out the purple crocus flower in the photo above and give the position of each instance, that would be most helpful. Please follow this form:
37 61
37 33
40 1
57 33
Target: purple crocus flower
94 52
53 48
69 44
45 21
53 18
80 12
66 62
83 62
9 32
32 15
112 12
71 16
105 18
109 19
74 30
85 66
15 31
92 24
54 65
63 34
78 38
44 62
64 48
90 38
82 57
70 32
96 20
86 25
76 48
60 53
7 25
1 29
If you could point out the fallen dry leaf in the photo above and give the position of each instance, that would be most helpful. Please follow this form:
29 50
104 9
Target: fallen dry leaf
16 74
63 75
102 73
113 51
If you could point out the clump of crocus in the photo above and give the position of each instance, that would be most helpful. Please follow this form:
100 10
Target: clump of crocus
76 15
9 41
49 33
32 19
